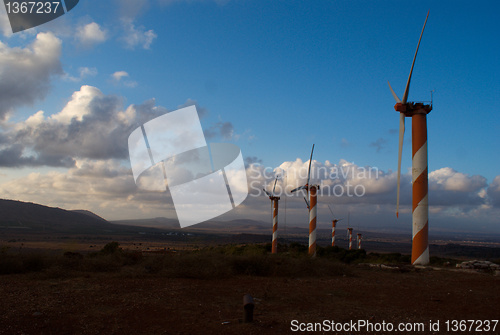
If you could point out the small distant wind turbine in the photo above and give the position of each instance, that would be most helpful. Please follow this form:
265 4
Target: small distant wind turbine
418 113
311 192
349 234
334 223
360 236
274 204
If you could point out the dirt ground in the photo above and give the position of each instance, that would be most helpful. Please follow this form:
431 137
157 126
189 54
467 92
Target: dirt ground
114 303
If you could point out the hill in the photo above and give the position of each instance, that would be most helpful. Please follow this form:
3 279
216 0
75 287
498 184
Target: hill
35 218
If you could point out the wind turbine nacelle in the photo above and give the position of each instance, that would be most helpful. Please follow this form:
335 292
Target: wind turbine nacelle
400 107
411 108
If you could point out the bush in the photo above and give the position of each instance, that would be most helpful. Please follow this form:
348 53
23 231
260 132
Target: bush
111 248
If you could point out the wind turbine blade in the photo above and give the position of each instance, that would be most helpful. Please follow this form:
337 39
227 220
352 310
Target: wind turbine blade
268 194
275 184
298 189
400 153
393 93
331 211
309 170
307 202
407 89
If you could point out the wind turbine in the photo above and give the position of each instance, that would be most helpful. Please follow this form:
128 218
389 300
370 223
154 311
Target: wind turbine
349 230
334 223
418 113
274 204
311 191
349 234
360 236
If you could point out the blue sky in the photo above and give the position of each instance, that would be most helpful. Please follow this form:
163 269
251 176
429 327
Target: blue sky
281 75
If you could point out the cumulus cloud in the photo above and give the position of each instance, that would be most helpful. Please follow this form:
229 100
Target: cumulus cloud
26 72
119 75
451 180
448 187
104 187
91 125
83 72
136 36
4 23
90 34
494 192
347 183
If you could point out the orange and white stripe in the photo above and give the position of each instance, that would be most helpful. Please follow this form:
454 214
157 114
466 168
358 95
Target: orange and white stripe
420 245
350 238
359 241
334 222
274 249
312 219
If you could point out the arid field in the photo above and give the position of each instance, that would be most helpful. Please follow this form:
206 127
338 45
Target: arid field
122 291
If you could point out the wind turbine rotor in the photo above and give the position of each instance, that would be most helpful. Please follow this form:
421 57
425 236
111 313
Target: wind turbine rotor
274 187
331 211
309 170
393 93
298 188
407 89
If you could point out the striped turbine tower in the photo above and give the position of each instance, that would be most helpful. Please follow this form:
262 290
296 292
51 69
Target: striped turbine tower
312 218
312 192
274 203
334 224
418 113
349 232
275 225
359 240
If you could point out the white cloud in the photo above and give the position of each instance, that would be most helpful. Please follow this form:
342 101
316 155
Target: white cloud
136 36
119 75
83 72
90 34
4 23
451 180
91 125
26 72
79 105
105 187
